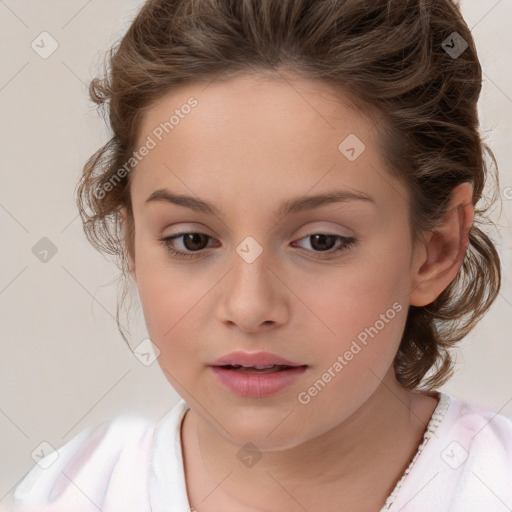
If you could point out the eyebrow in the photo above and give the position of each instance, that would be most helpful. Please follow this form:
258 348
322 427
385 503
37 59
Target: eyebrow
294 205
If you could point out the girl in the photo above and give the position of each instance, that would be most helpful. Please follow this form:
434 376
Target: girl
292 185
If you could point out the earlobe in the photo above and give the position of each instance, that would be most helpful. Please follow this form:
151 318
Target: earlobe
440 259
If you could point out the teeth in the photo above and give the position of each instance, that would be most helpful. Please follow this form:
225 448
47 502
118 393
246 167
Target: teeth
256 367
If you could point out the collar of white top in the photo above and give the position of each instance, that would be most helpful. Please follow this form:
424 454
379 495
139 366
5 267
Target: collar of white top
167 486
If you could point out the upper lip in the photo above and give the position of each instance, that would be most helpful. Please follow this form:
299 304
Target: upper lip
251 359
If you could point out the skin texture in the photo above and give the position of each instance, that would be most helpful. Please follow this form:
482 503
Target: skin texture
250 144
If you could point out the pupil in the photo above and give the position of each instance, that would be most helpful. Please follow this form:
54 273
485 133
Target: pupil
195 238
322 244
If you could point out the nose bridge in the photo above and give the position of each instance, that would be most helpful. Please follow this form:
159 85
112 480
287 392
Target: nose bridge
253 295
250 267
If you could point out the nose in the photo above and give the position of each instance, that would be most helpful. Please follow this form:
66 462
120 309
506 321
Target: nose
253 297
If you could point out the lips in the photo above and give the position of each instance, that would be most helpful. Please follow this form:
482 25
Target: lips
257 374
271 368
263 361
250 382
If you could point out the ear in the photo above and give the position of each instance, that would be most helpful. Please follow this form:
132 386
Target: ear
124 228
436 263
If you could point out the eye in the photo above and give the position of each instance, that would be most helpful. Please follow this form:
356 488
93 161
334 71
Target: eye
195 242
324 243
192 241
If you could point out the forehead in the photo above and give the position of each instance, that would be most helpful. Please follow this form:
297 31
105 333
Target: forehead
257 136
296 109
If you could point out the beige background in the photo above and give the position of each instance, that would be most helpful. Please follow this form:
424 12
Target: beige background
63 365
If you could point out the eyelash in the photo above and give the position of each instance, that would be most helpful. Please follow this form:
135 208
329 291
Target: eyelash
168 243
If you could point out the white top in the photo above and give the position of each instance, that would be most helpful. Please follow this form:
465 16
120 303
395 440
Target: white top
464 464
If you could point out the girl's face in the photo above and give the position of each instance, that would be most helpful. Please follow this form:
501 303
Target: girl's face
256 278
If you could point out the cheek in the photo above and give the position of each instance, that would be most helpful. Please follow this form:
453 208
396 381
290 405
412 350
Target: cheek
354 340
355 295
360 310
174 304
170 309
355 316
170 301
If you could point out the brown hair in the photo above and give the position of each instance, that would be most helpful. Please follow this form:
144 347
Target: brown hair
389 57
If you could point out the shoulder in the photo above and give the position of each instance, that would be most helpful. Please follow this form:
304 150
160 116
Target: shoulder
466 465
476 441
102 463
478 426
476 455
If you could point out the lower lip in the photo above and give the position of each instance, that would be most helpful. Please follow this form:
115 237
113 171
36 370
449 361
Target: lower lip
257 384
